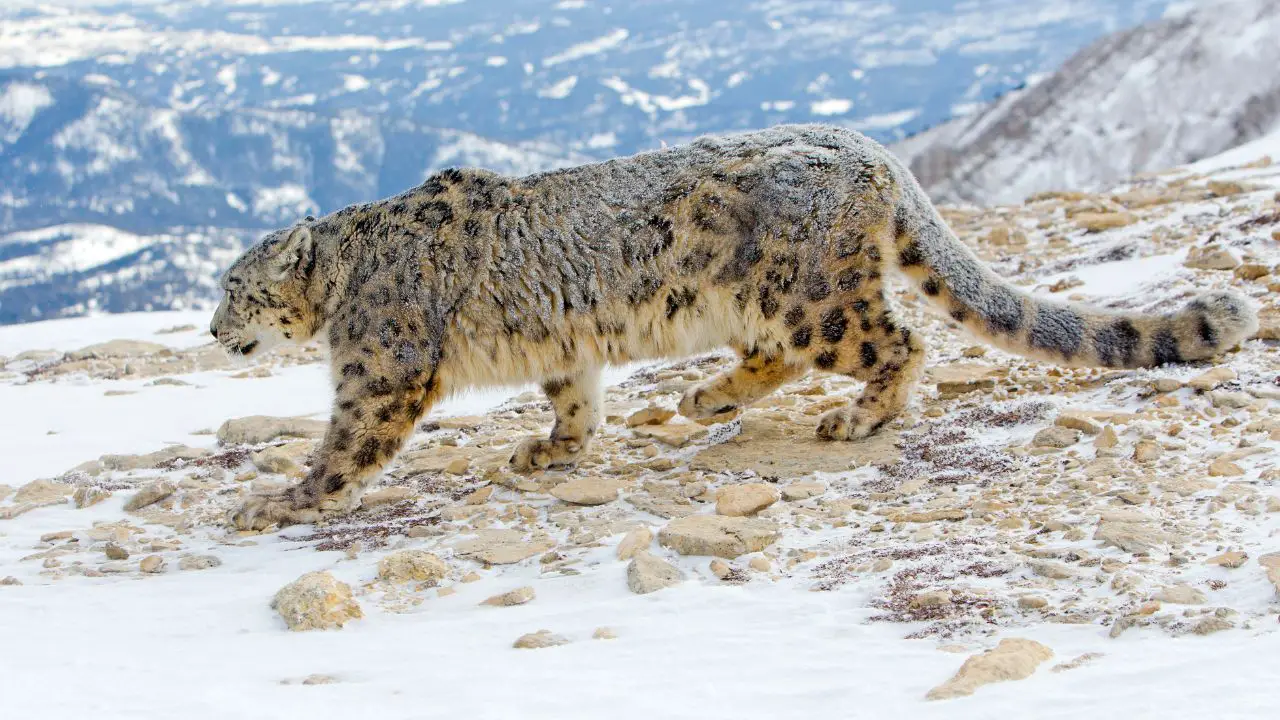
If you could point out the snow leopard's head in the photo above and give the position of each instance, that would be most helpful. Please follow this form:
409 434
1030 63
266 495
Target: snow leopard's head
265 298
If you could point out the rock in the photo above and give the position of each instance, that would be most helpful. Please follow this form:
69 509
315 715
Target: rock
412 565
1224 468
86 496
1231 560
1271 563
316 601
634 541
604 633
1012 659
1075 421
1107 438
540 639
803 490
760 563
647 573
1180 595
283 459
1131 536
199 562
257 429
1211 257
149 460
1078 661
956 379
151 564
726 537
790 449
1211 625
42 492
675 434
1053 570
458 466
1147 451
1056 436
115 552
116 349
926 516
652 415
386 496
502 547
587 491
745 499
10 580
1211 379
149 495
1230 400
1032 602
519 596
1103 221
1226 188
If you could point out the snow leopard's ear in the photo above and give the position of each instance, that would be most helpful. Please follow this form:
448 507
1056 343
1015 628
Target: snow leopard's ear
293 255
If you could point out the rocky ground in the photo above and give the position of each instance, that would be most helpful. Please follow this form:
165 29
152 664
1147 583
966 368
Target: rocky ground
1013 495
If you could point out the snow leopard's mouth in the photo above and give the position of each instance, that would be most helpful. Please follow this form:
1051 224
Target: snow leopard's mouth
246 349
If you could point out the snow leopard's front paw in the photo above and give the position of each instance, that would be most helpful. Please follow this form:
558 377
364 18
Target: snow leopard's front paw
293 506
537 453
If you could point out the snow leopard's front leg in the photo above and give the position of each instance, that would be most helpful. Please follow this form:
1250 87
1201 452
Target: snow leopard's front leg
577 399
379 398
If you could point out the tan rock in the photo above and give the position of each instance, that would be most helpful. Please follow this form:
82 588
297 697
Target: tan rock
502 547
803 490
1233 559
1103 221
116 349
789 448
634 541
386 496
604 633
199 562
926 516
745 499
42 492
519 596
1012 659
316 601
1211 379
1056 436
87 496
675 434
1211 257
284 459
1107 438
149 495
539 640
1076 421
726 537
1147 451
588 490
257 429
647 573
1224 468
1180 595
1271 563
412 565
151 564
652 415
1133 537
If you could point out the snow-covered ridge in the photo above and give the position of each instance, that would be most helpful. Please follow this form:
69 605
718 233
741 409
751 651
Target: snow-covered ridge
1168 93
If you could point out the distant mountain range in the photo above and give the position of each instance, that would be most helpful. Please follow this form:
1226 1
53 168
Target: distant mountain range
143 143
1154 97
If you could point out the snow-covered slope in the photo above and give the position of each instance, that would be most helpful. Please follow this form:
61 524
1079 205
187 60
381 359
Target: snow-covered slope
1164 94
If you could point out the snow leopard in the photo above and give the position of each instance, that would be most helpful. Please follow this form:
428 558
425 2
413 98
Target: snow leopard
774 243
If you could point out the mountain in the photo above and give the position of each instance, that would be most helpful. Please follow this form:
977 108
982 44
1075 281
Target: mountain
1146 99
193 126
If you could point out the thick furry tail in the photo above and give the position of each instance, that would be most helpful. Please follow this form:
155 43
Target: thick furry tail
960 284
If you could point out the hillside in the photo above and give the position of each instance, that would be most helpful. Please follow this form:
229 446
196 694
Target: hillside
1154 97
1116 533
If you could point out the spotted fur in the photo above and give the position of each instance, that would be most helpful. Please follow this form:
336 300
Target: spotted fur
774 243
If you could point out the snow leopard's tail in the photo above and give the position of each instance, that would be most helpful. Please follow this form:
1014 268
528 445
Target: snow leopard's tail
961 285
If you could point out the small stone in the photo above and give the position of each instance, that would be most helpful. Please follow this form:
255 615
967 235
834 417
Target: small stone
604 633
479 497
42 492
1078 661
1233 559
726 537
746 499
1056 436
647 573
115 552
931 598
1211 379
1230 400
282 459
316 601
675 434
538 640
587 491
199 562
760 563
1271 563
1211 625
652 415
1211 257
519 596
445 592
318 679
927 516
1147 451
503 547
803 490
261 428
1053 570
1032 602
634 541
10 580
412 566
385 496
1103 221
86 496
720 568
1012 659
151 564
149 495
1224 468
458 466
1107 438
1180 595
1077 422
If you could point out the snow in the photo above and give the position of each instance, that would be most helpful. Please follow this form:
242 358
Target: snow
1266 146
833 106
19 104
586 49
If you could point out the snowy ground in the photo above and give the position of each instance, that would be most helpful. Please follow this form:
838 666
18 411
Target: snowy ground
205 644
